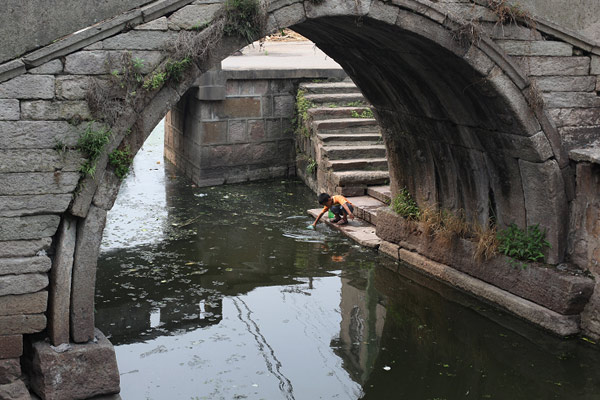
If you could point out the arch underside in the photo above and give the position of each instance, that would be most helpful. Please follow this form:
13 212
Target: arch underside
453 139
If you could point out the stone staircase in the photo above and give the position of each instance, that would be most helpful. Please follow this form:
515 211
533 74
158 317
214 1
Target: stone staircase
343 140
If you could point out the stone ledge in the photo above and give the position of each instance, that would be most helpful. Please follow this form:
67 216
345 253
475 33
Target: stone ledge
591 155
562 292
556 323
284 73
360 231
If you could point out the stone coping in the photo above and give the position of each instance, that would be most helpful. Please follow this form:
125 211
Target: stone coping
591 155
311 73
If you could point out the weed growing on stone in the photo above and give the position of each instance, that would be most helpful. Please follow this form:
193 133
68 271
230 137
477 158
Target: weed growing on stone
365 114
175 69
91 142
311 167
244 18
356 103
155 80
523 246
60 147
509 13
405 205
487 242
121 160
302 107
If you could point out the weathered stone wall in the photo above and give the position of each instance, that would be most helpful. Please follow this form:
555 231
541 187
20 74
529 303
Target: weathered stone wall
246 135
28 24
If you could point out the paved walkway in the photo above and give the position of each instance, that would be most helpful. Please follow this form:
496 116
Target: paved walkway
280 55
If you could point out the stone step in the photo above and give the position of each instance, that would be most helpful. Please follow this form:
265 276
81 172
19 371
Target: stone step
351 125
381 193
366 207
323 113
365 164
350 139
356 229
329 87
359 177
342 99
352 152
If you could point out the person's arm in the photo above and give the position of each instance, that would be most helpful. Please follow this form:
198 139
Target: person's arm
348 211
319 217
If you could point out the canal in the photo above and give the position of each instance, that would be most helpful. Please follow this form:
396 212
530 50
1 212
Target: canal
222 293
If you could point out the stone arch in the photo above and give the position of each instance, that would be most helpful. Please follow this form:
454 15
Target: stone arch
471 135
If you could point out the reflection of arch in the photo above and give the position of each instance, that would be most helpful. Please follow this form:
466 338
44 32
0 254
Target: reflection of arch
461 126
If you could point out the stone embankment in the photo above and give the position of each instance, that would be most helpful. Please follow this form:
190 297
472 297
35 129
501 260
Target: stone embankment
555 307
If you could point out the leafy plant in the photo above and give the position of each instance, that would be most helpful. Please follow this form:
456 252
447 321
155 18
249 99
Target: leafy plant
244 19
91 142
405 205
356 103
311 167
154 81
367 113
524 245
121 160
302 107
175 69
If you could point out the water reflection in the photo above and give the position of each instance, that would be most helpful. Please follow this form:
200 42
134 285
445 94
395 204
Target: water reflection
234 298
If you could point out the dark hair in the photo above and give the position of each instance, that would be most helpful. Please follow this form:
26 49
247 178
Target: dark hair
323 197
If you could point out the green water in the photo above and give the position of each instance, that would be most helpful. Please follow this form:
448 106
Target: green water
222 293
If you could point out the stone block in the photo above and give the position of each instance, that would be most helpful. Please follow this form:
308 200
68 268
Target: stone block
242 107
89 236
139 40
22 183
11 347
66 375
39 160
575 116
342 7
555 66
546 203
284 106
193 16
14 391
289 15
53 67
107 191
389 249
237 131
256 130
565 83
384 12
31 303
24 265
24 248
267 106
516 101
22 284
213 132
91 62
536 48
20 324
10 368
37 134
28 87
273 128
72 87
55 110
9 110
16 206
595 65
30 227
577 137
159 24
60 283
11 69
571 99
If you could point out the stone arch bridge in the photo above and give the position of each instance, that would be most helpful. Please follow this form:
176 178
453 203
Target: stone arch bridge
498 118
